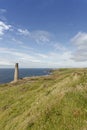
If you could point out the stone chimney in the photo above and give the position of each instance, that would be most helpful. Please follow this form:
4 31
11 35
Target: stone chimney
16 73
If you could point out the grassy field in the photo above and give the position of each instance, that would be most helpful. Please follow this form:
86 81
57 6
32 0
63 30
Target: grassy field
54 102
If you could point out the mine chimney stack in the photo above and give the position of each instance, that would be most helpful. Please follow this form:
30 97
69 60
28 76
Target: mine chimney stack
16 73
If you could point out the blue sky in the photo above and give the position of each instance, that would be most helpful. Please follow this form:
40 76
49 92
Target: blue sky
43 33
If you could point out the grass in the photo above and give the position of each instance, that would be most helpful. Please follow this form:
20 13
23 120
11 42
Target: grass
55 102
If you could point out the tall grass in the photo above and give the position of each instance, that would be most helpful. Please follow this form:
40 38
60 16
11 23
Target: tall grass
55 102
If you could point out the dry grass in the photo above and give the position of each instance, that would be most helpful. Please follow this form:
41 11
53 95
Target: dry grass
55 102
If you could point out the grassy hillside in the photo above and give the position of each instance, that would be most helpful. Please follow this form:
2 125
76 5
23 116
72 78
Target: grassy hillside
55 102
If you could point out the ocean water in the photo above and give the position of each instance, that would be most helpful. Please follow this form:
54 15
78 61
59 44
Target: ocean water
7 75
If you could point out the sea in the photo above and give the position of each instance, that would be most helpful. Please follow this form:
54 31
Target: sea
7 75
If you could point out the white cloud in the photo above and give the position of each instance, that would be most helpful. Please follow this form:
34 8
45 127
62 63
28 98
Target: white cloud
27 59
2 12
80 39
13 55
59 47
57 55
4 27
51 60
44 56
17 41
5 62
39 37
24 32
80 43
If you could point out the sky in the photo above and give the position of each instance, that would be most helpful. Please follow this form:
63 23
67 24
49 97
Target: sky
43 33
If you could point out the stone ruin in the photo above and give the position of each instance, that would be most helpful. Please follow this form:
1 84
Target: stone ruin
16 73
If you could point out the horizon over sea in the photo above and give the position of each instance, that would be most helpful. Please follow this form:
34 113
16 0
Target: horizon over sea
7 74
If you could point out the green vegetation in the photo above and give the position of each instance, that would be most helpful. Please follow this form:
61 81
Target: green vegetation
54 102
